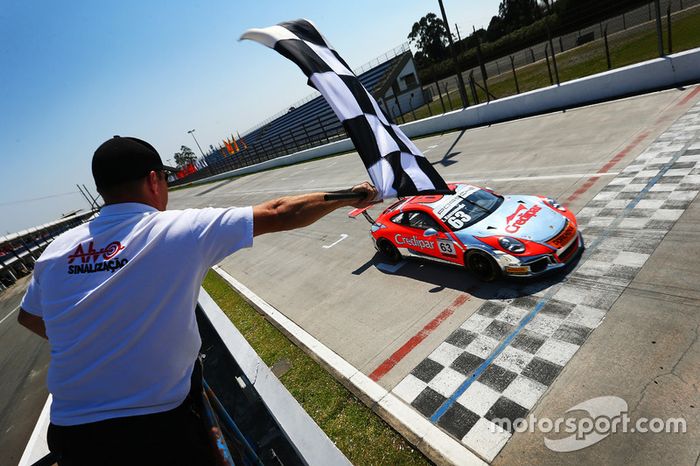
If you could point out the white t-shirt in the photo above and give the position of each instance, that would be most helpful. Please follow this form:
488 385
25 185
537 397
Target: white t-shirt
117 296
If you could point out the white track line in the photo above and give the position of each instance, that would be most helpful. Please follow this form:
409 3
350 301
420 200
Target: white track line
8 315
548 177
342 237
421 432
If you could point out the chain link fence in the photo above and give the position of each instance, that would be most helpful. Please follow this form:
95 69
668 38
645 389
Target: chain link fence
637 35
621 40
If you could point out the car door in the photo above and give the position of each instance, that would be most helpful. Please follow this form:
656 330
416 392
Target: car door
439 246
445 246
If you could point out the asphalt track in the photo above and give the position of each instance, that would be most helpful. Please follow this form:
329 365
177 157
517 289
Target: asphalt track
23 364
386 319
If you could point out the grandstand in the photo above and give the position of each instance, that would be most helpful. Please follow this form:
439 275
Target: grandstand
19 251
393 81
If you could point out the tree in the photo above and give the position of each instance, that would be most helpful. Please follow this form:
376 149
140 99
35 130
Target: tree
574 14
184 157
430 36
518 13
513 15
496 29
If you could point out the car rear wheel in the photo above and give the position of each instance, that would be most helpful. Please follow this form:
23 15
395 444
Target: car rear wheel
483 266
389 251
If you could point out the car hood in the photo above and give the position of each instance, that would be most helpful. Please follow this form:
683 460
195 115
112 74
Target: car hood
525 217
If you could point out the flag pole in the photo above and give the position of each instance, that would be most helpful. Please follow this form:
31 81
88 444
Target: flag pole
340 195
347 194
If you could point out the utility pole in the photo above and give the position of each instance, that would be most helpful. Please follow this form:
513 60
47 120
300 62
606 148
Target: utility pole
484 76
462 92
659 33
554 53
195 141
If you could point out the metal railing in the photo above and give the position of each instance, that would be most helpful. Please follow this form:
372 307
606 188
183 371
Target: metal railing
547 63
603 44
312 124
393 53
19 251
616 28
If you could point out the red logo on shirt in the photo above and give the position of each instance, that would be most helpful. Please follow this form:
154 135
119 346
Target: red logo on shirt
92 260
107 253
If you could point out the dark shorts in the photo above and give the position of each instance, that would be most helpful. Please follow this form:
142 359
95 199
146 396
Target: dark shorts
175 437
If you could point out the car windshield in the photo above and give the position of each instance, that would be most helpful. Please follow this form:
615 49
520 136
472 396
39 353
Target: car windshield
468 207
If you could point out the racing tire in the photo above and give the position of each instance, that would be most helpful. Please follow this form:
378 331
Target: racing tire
389 251
483 266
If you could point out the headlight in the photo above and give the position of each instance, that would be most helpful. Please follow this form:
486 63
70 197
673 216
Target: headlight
376 227
555 204
511 244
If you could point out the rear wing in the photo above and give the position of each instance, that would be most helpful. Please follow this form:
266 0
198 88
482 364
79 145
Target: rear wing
363 211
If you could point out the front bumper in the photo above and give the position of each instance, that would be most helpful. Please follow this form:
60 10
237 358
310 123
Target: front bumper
540 265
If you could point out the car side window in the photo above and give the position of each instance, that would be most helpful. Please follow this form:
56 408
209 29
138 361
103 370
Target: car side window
399 219
422 221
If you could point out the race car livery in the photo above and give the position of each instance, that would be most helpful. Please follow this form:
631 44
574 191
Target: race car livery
489 234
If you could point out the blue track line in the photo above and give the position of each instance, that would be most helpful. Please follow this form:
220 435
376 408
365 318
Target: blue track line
548 296
484 365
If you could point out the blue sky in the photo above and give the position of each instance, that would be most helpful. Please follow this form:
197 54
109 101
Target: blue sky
73 74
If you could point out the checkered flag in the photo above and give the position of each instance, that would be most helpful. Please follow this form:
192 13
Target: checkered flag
395 165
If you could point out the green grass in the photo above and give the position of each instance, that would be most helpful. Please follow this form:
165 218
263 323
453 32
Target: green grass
359 433
632 46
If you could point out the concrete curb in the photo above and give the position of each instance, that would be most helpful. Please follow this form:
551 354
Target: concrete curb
37 447
309 440
428 438
652 75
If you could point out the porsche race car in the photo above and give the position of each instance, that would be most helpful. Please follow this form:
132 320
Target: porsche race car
489 234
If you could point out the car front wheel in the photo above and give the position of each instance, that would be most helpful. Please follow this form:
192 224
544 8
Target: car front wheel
483 266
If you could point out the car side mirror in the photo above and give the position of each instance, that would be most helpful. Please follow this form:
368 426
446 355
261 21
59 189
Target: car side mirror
430 232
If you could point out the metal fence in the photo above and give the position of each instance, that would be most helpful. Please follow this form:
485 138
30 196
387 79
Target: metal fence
309 122
385 57
555 58
620 40
314 133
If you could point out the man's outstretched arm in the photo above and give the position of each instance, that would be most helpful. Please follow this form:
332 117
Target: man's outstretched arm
288 213
32 322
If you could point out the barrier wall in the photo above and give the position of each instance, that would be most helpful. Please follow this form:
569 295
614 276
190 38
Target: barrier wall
661 73
310 442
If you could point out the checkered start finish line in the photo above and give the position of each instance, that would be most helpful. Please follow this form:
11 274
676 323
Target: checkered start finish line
505 356
395 165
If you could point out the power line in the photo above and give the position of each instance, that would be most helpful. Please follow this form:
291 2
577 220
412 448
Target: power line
21 201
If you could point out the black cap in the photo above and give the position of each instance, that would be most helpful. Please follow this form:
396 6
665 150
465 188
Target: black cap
123 159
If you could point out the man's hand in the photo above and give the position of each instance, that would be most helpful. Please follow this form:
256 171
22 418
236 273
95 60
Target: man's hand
371 194
288 213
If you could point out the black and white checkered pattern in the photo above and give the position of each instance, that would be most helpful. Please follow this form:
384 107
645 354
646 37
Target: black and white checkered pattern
395 165
623 224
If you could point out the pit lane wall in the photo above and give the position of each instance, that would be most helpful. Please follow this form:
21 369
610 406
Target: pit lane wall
661 73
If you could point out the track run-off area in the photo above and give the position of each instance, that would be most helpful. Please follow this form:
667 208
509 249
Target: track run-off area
624 323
